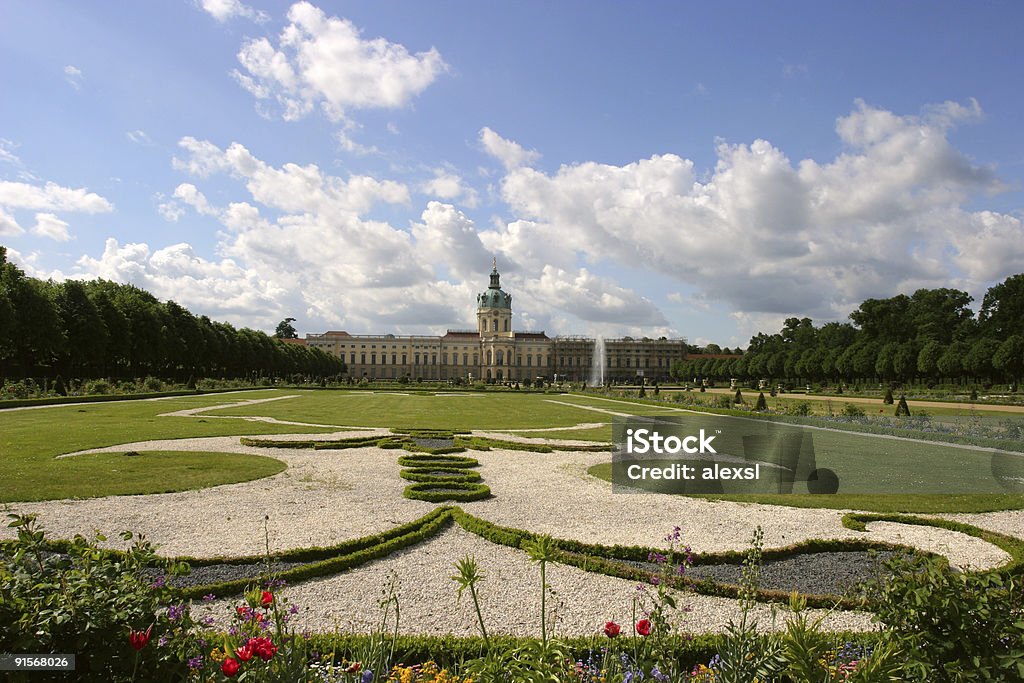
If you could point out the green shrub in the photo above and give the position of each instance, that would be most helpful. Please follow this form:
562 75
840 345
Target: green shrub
953 626
902 410
852 410
738 398
86 601
427 460
888 400
762 403
436 492
440 474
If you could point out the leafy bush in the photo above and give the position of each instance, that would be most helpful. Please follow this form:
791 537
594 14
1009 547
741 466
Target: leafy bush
104 607
888 400
852 410
762 403
953 626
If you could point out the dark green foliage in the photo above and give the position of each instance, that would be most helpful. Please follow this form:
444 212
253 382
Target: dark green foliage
762 403
439 491
85 602
427 460
902 410
888 399
738 398
440 474
953 626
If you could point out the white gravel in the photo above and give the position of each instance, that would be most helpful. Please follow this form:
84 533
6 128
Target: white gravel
581 602
325 497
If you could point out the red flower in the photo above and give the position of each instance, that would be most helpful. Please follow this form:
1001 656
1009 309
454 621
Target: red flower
267 598
611 629
263 647
643 627
139 639
353 668
244 653
230 667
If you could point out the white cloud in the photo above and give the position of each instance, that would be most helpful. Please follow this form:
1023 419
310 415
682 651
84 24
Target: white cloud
510 153
324 61
139 137
49 225
353 147
291 188
772 237
7 154
73 75
223 10
8 226
448 185
51 197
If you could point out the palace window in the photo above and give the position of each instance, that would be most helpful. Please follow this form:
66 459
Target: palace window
416 359
352 359
373 359
405 359
529 360
362 359
394 359
494 325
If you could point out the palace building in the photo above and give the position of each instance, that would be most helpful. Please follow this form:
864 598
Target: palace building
494 352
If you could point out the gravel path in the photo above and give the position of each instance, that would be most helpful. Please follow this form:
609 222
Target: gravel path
509 596
325 497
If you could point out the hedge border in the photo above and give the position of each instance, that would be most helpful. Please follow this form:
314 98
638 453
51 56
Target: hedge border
451 474
1014 547
108 398
427 460
458 491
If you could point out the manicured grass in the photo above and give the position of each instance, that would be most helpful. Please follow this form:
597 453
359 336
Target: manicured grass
484 411
30 440
593 434
115 474
921 503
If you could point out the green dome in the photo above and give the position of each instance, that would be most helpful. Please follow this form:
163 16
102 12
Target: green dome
494 297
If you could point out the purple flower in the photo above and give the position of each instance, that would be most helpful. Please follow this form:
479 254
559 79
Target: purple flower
209 597
294 609
160 582
162 642
175 612
367 677
206 621
195 662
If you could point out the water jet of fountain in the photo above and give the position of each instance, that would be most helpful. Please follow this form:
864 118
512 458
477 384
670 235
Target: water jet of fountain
598 363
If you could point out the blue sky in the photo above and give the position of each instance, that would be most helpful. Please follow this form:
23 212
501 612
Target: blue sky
703 170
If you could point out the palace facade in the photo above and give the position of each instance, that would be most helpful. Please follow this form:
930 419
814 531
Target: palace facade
494 352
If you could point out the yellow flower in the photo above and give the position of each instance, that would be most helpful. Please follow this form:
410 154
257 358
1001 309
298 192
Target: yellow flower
217 655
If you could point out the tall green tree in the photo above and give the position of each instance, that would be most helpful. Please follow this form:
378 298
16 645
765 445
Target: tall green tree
1002 309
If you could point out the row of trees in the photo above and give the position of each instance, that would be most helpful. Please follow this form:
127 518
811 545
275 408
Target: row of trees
931 336
97 328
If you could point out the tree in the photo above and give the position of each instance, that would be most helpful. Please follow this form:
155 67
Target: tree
762 403
978 360
928 359
83 327
285 330
1009 359
903 410
1002 308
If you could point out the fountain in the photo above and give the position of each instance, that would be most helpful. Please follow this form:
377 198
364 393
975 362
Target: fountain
598 363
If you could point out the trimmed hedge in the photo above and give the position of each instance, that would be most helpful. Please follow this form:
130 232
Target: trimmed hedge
482 443
106 398
438 491
338 563
440 474
428 460
1014 547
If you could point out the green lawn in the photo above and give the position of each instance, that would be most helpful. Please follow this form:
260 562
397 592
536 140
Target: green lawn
485 410
30 440
869 503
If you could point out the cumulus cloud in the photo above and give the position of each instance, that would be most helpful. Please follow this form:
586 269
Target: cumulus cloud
51 197
324 61
223 10
510 153
770 236
49 225
450 186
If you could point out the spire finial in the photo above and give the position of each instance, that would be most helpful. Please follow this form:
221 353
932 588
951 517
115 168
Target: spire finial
494 263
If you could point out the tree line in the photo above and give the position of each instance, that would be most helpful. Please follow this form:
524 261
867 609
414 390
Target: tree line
100 329
931 336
